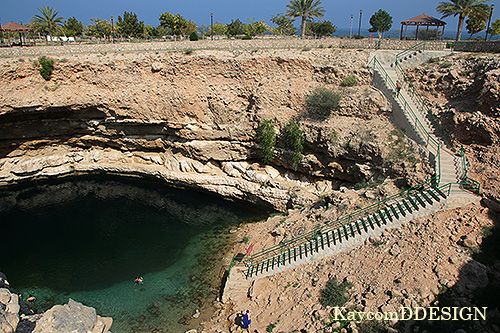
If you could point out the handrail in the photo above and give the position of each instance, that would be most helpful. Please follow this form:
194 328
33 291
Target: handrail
419 127
418 46
429 140
341 221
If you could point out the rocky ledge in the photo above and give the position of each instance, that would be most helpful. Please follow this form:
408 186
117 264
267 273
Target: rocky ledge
15 316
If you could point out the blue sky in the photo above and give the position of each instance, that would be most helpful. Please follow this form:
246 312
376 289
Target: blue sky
338 11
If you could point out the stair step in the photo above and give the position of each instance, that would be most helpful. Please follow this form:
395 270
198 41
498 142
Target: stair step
426 197
419 200
385 212
433 194
413 203
394 211
407 205
401 209
440 192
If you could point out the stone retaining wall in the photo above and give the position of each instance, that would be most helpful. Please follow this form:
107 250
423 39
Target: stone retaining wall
224 44
477 46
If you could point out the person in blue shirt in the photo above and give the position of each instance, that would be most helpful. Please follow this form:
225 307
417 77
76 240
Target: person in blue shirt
246 320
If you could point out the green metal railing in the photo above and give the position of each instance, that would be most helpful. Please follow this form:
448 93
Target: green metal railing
285 245
469 183
420 129
283 249
405 53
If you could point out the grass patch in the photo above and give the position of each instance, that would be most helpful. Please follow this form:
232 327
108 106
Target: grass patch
335 293
349 81
46 67
321 102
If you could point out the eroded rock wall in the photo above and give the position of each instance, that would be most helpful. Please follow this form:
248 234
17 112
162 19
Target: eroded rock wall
191 120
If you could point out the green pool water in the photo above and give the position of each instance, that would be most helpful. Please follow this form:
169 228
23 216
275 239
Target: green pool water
88 239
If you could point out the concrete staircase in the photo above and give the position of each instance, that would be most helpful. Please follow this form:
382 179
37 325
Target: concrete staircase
447 189
339 236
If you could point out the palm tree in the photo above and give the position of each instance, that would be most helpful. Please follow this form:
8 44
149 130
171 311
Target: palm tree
305 9
48 21
462 8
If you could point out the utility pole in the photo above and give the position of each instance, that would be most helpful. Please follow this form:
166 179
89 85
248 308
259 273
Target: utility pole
350 29
212 25
359 27
112 30
489 22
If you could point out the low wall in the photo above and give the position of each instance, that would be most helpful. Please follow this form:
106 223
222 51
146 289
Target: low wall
223 44
477 46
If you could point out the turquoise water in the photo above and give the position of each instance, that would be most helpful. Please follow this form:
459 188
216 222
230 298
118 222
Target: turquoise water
88 239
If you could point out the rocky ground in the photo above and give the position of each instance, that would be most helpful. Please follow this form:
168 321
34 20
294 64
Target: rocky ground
464 91
190 119
412 266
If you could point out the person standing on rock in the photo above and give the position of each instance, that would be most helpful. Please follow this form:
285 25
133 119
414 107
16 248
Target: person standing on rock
246 321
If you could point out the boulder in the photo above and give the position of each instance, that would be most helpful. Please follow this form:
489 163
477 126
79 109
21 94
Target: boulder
9 311
72 317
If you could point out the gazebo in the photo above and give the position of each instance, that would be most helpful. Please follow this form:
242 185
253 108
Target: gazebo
15 27
423 20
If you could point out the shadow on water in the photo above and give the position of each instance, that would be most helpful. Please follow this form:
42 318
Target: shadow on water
91 234
478 285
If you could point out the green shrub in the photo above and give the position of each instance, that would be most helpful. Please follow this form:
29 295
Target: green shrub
335 293
349 81
270 328
193 36
46 67
321 102
293 138
188 51
334 137
267 140
445 64
246 37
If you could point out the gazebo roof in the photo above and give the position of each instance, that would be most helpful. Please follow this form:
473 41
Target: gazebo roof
14 27
424 20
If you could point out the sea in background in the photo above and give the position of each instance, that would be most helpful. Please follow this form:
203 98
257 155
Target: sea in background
448 35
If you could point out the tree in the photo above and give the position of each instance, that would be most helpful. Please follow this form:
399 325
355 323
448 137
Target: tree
321 29
462 8
495 28
72 27
48 21
130 26
99 28
177 25
256 28
235 28
381 22
219 29
305 9
476 23
284 25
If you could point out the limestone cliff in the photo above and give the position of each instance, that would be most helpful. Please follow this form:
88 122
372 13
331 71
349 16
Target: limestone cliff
191 120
